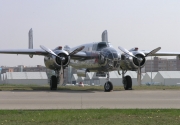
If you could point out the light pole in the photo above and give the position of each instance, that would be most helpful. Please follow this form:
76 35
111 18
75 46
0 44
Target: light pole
151 69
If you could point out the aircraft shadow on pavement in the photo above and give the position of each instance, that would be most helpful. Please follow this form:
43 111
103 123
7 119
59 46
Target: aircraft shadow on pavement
60 90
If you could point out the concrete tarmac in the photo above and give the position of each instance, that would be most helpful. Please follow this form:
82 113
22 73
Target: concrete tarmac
61 99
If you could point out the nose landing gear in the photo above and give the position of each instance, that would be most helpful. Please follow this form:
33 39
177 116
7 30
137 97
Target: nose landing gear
108 86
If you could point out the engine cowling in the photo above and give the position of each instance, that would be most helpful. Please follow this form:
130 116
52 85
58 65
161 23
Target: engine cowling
131 63
54 63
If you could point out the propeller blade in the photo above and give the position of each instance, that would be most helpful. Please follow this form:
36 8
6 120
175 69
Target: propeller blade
49 51
127 52
139 75
153 51
61 74
76 50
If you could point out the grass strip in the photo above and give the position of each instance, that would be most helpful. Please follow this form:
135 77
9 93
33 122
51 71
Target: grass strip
91 117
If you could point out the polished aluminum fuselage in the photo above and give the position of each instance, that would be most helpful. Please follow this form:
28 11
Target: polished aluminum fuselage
93 62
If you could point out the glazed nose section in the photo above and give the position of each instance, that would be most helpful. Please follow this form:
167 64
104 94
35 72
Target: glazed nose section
113 60
112 56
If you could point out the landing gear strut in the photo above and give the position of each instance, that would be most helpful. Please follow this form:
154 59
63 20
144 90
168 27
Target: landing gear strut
108 86
127 81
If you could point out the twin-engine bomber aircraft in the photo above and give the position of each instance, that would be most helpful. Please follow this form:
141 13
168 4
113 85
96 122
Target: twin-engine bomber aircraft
99 57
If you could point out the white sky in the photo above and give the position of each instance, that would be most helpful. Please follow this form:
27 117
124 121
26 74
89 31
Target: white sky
145 24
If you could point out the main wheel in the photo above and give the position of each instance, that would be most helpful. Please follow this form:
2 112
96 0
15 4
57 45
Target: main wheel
53 83
108 86
127 83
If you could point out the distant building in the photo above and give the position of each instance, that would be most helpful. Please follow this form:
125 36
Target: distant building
162 64
21 68
68 71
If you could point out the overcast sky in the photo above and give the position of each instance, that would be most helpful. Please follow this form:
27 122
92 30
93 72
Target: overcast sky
145 24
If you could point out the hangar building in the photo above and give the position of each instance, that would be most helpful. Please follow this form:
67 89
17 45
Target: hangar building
168 77
25 78
147 78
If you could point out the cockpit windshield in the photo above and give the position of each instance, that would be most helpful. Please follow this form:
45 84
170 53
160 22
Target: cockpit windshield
101 45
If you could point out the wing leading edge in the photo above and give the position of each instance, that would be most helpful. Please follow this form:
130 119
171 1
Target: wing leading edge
40 52
163 53
24 51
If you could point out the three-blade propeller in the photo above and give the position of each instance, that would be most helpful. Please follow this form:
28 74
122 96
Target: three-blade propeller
62 59
139 59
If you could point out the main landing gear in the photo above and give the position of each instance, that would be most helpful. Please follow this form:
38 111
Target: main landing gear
127 81
54 81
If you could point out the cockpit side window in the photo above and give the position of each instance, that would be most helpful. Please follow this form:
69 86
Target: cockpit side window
101 45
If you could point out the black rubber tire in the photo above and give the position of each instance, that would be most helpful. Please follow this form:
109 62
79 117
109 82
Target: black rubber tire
108 86
53 83
127 83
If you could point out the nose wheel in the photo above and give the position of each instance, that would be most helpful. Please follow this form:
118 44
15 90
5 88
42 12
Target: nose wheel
108 86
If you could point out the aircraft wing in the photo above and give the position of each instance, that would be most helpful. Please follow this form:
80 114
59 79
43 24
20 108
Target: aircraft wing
24 51
159 53
41 52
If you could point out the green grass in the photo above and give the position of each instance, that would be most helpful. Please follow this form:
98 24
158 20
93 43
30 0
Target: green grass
91 117
6 87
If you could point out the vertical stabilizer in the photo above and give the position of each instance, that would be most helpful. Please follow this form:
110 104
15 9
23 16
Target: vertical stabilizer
105 36
30 39
30 34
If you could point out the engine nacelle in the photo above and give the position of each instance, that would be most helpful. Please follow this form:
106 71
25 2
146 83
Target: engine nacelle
54 63
131 63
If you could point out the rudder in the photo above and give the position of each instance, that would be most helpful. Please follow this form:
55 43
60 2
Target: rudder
30 34
30 39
